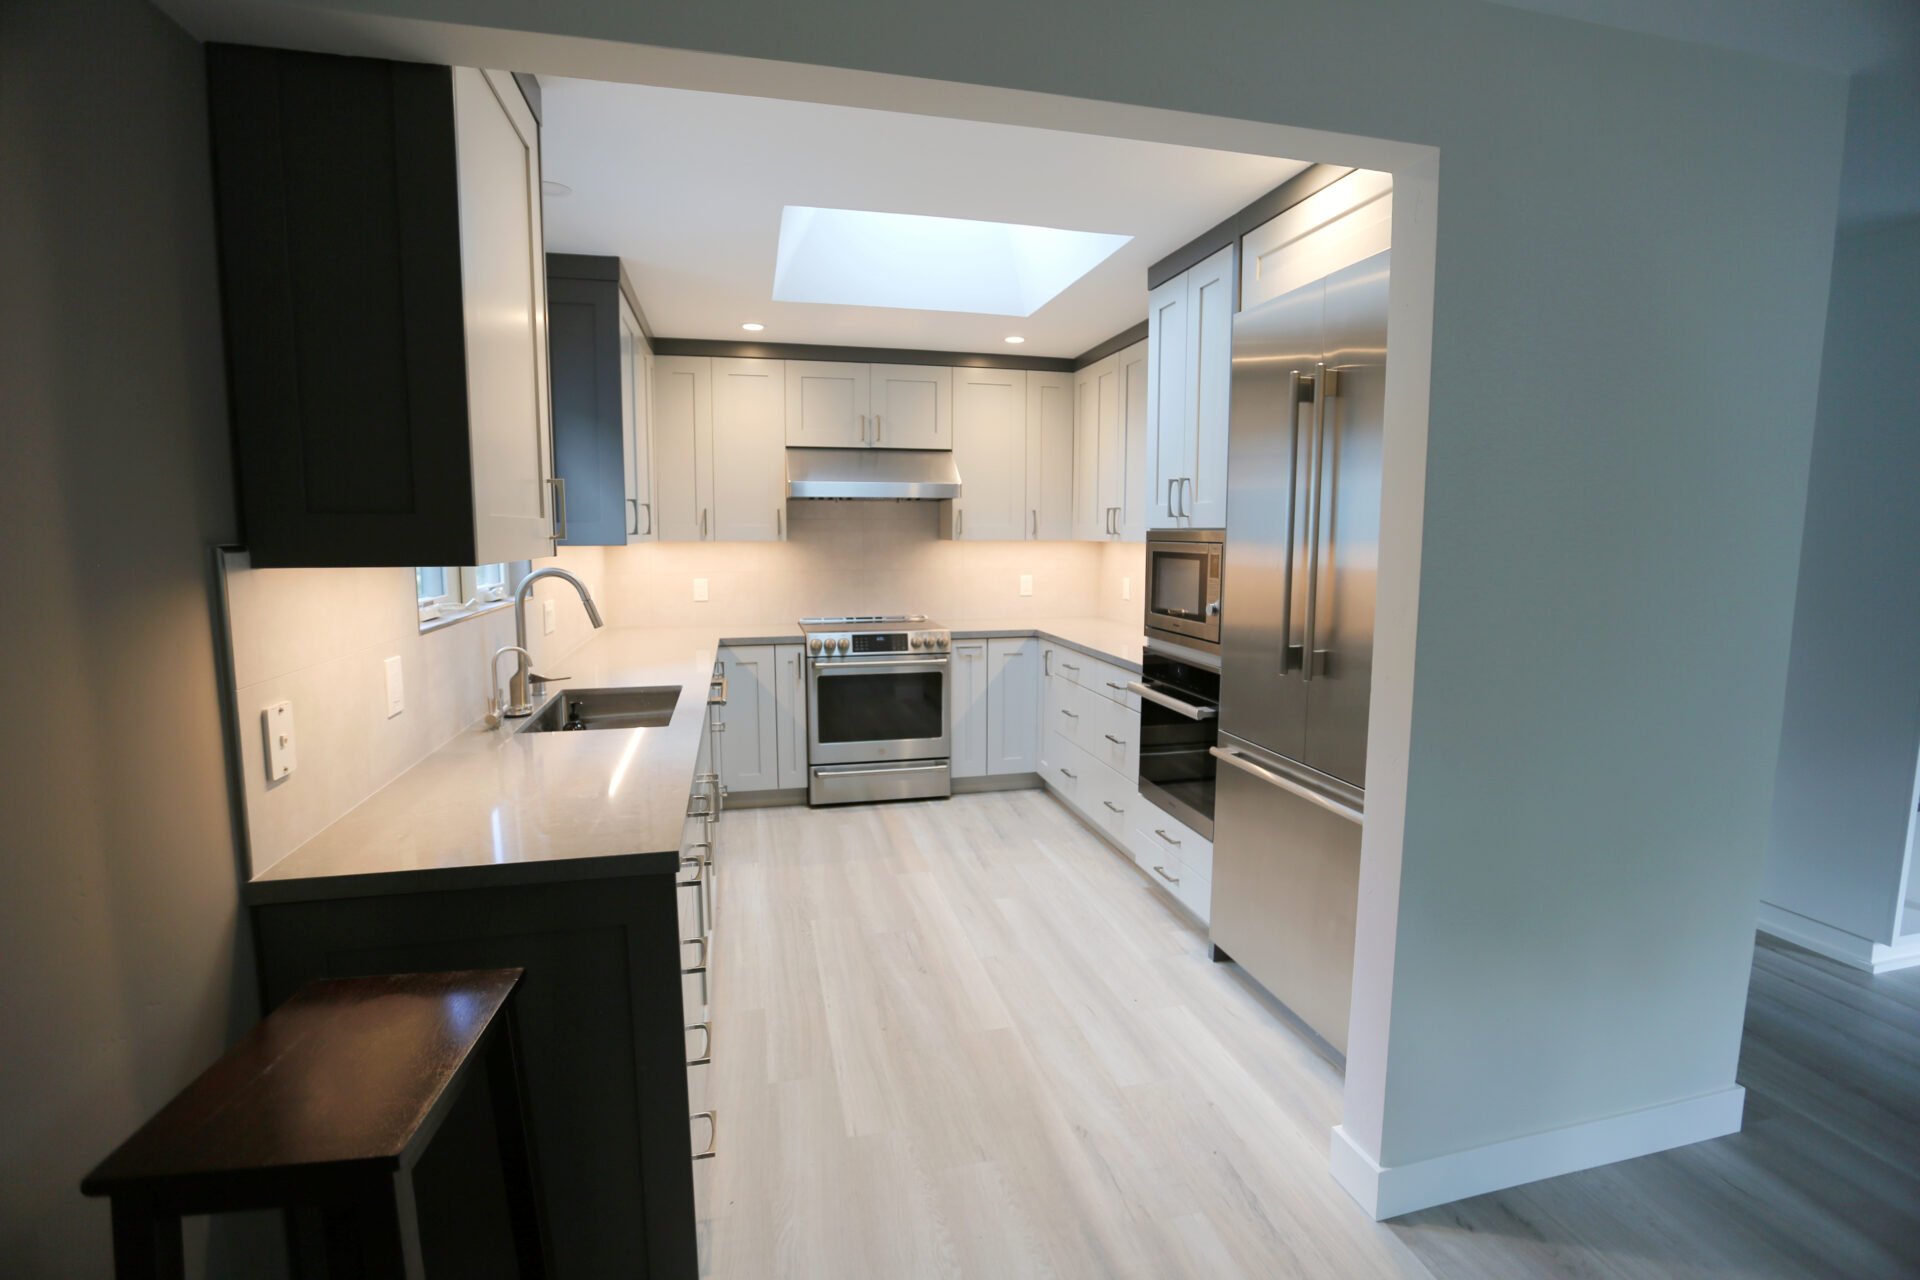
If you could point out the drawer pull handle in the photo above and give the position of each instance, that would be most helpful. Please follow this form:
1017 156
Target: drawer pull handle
1111 685
713 1138
1111 805
1164 836
1164 876
1068 666
1071 715
1070 773
706 1048
1118 742
702 966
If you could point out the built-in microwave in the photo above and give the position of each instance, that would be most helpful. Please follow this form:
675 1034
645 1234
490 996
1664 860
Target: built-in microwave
1183 586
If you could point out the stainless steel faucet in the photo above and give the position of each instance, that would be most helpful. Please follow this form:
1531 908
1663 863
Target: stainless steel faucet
518 704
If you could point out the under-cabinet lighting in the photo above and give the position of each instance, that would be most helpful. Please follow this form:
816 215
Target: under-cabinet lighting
853 257
1015 339
753 328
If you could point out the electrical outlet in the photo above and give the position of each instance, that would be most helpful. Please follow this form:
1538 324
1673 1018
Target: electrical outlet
699 589
1026 584
396 688
548 618
276 722
1126 588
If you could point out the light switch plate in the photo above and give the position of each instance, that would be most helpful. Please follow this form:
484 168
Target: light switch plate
396 688
548 620
276 722
1126 588
699 588
1026 584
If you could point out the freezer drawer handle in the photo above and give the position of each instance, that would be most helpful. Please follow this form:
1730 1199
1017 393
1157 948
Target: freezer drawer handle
1164 876
1285 783
1186 709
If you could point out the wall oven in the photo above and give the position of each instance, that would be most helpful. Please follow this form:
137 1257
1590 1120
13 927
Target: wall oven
879 710
1183 586
1179 722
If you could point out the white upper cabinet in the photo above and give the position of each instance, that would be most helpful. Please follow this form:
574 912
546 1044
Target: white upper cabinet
682 430
1210 348
1049 456
749 450
827 404
636 445
912 406
990 452
1189 378
503 274
1167 381
1133 495
1107 456
1343 223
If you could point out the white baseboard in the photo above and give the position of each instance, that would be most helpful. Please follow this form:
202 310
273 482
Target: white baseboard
1838 944
1390 1192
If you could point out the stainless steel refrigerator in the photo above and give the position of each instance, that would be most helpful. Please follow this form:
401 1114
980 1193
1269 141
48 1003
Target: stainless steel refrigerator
1296 642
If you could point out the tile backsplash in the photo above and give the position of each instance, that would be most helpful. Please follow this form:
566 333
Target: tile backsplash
852 557
320 638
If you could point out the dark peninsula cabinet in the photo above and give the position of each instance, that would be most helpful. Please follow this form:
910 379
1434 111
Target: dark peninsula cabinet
383 278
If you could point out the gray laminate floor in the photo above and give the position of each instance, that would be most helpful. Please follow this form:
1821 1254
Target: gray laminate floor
968 1039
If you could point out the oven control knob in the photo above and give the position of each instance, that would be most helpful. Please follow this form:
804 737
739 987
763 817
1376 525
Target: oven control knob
813 644
842 644
916 642
941 640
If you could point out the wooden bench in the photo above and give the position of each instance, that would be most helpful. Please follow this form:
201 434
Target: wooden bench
329 1103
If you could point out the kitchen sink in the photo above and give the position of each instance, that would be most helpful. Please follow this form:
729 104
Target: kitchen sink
605 709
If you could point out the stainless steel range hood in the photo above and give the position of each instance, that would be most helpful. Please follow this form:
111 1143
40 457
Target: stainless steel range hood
872 473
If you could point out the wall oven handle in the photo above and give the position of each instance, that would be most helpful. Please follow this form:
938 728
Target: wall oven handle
1280 780
1187 709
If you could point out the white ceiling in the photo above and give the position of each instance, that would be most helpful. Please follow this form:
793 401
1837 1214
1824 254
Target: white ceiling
687 188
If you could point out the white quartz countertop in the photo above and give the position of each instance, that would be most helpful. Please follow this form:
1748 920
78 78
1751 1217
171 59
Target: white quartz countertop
496 807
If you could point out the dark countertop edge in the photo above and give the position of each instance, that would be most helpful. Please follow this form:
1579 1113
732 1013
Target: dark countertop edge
997 633
490 875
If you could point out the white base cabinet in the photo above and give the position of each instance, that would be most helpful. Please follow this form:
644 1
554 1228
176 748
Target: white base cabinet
1013 696
749 755
790 714
967 670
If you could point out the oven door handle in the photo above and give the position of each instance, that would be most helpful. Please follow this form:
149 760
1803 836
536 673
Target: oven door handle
1187 709
839 771
861 666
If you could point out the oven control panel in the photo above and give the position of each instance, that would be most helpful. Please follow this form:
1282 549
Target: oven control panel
877 643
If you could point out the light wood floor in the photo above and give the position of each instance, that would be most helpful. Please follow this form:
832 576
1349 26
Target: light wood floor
968 1039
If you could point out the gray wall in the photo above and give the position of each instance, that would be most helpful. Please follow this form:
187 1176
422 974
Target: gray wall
121 937
1851 743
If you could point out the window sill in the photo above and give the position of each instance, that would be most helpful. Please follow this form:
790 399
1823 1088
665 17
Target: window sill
446 620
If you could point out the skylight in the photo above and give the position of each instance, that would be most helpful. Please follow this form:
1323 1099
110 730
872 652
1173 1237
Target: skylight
853 258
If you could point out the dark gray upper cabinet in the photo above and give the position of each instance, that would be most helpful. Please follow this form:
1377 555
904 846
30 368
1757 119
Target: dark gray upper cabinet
590 432
382 275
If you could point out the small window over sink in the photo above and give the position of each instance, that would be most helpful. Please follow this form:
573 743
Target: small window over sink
447 593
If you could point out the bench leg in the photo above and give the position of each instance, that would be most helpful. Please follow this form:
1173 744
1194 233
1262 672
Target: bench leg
524 1206
375 1235
146 1241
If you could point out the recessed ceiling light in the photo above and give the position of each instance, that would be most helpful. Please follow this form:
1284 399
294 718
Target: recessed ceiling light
753 328
1015 338
851 257
555 189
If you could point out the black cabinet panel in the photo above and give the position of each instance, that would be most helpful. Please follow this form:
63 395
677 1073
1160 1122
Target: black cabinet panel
583 342
339 228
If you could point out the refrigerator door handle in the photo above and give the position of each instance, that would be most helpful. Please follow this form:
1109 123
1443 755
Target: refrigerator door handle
1324 389
1299 391
1229 756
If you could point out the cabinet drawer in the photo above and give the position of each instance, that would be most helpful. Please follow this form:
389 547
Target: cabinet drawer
1159 836
1165 863
1097 793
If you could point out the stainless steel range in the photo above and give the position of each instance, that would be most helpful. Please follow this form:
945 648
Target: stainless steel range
879 709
